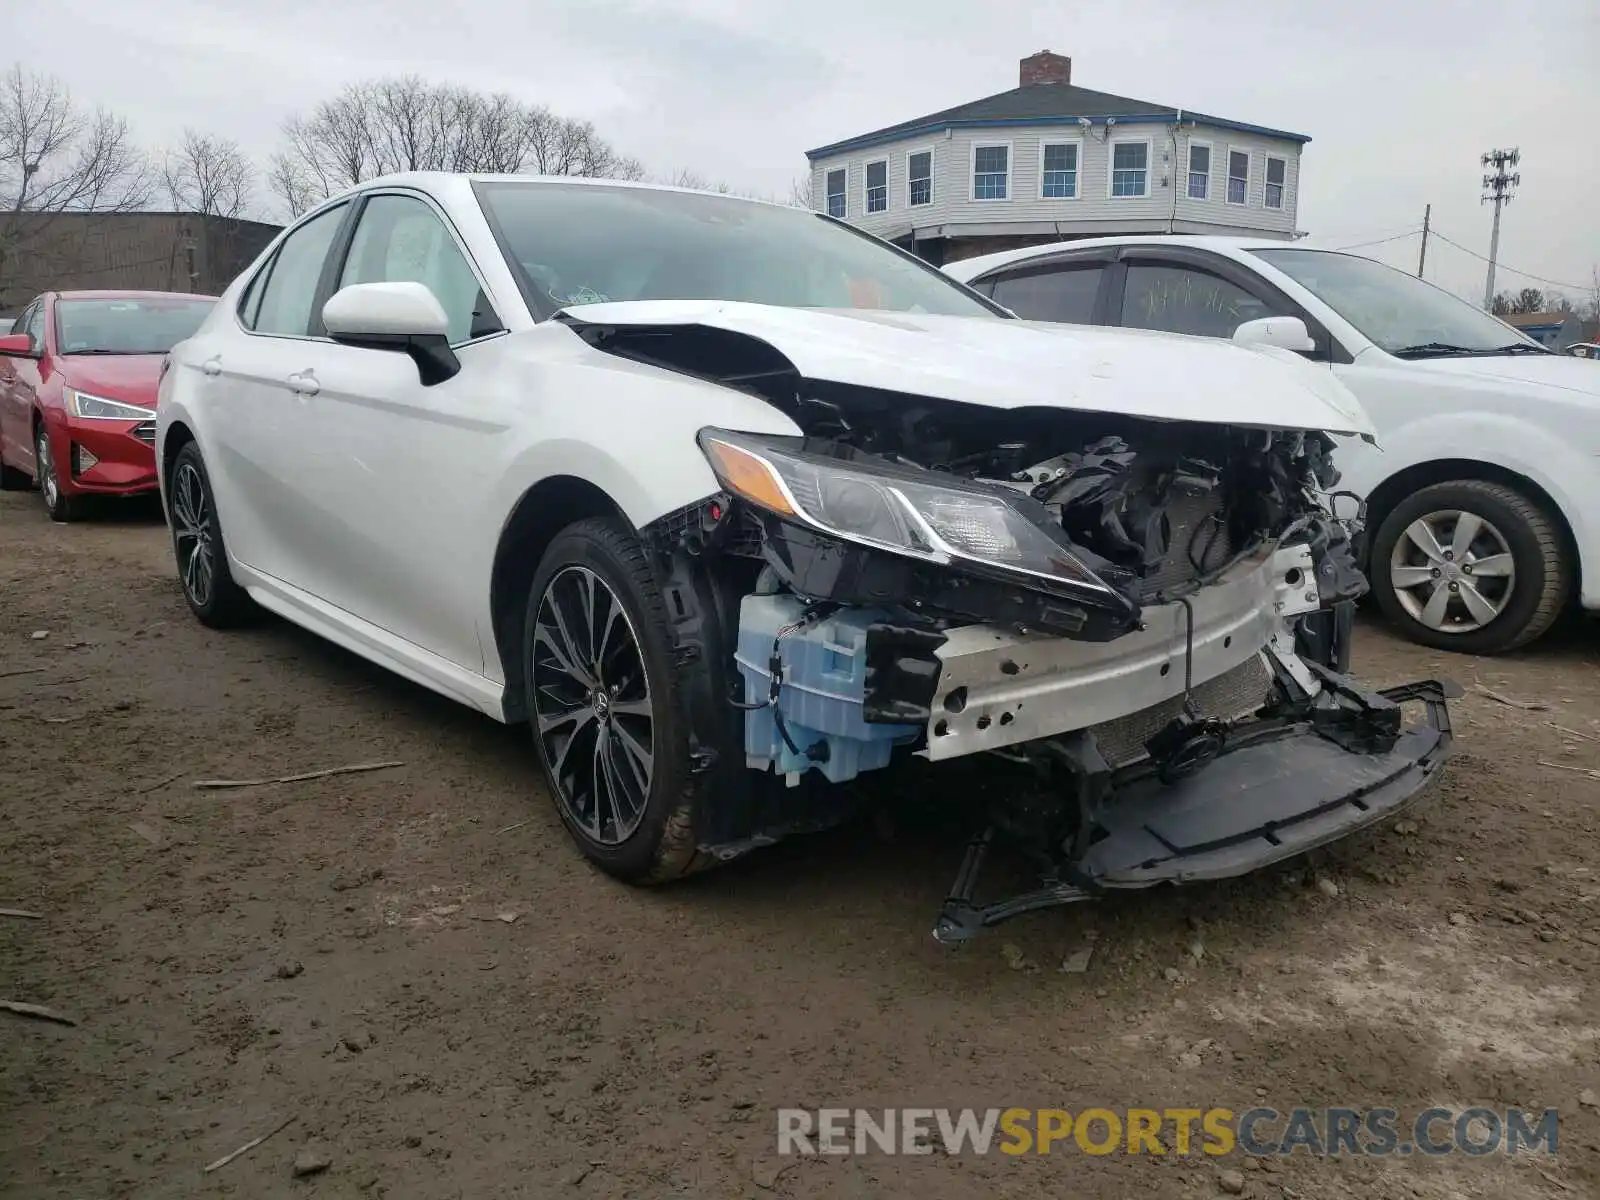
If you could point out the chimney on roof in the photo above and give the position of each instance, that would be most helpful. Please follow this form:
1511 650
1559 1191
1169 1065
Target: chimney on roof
1045 67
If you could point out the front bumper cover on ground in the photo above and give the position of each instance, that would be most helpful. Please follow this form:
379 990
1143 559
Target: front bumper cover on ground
1280 788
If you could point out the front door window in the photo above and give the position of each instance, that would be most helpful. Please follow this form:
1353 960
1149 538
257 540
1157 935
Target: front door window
1183 299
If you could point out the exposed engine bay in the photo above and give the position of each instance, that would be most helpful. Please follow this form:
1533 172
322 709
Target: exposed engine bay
1147 621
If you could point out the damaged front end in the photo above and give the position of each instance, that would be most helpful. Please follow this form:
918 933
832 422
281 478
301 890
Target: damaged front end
1148 621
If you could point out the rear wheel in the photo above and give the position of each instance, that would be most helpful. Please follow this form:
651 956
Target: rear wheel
57 503
197 545
1472 566
605 705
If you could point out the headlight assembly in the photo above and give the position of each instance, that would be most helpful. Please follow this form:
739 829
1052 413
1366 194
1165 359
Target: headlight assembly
944 522
98 408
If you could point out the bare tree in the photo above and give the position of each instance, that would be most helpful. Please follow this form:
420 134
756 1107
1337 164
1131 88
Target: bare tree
683 177
563 146
407 124
208 175
802 192
288 180
56 158
1528 300
213 181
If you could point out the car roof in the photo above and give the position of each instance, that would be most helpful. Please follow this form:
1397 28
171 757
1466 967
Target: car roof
443 183
127 294
1231 247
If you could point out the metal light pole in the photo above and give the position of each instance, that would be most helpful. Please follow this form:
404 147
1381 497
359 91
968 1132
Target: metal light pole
1498 188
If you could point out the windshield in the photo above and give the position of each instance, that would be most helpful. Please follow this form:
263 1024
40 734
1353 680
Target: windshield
587 244
1399 312
129 325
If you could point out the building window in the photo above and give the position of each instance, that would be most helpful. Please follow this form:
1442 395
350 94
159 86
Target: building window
1059 176
1277 172
919 174
1238 176
991 172
877 186
836 206
1130 169
1199 171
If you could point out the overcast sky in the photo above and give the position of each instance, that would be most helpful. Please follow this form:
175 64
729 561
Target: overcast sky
1400 97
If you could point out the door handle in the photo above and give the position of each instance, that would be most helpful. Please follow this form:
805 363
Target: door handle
304 383
212 366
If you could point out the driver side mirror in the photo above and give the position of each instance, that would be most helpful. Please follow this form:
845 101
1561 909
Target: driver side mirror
406 317
17 345
1286 333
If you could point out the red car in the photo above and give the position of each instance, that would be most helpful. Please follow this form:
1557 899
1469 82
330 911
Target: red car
78 378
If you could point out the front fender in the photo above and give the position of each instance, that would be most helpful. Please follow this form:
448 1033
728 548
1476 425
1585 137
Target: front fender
629 430
1568 475
625 428
172 410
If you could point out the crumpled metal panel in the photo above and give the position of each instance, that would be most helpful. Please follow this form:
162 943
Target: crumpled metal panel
998 688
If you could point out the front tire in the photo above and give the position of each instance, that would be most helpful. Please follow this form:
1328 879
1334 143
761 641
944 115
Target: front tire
605 705
1470 566
57 503
197 545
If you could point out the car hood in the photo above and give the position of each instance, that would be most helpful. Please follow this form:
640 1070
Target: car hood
131 378
1538 370
1003 363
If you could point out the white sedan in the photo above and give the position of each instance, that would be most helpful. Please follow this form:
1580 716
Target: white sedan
733 504
1482 494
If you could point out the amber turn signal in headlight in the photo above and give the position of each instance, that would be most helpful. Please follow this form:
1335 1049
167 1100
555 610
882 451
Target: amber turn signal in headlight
747 475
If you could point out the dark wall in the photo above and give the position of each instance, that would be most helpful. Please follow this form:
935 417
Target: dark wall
181 252
957 249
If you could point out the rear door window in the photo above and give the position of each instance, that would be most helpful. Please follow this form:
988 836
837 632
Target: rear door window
1066 292
290 291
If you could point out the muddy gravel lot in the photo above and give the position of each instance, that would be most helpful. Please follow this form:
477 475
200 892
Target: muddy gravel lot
418 968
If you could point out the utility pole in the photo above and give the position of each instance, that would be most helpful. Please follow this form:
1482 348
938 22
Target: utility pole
1422 255
1497 189
188 253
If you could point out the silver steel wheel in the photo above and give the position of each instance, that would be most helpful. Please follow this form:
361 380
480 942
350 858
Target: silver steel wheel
591 700
191 534
1452 571
49 485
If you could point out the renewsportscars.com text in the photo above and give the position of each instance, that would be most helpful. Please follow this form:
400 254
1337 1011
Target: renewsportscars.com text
1261 1132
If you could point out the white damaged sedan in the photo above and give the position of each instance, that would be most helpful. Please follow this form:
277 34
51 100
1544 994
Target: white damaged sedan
735 506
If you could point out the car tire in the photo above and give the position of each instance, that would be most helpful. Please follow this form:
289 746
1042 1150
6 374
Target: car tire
1480 613
57 503
630 813
198 546
14 479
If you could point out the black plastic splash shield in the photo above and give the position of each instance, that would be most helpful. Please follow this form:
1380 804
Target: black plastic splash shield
1264 800
1279 790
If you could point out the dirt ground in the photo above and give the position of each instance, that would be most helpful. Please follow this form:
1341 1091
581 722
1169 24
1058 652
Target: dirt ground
335 951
